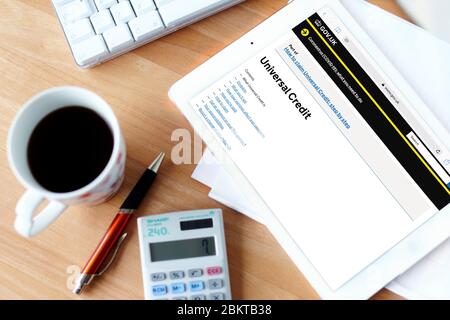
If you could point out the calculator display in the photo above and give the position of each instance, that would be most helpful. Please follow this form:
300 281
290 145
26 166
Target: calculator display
196 224
182 249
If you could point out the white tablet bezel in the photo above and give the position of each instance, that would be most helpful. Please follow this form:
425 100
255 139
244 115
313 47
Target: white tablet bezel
396 260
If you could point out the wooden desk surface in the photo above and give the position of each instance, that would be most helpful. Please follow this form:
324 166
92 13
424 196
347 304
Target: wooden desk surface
34 56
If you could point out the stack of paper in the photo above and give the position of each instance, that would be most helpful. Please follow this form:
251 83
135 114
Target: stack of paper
423 60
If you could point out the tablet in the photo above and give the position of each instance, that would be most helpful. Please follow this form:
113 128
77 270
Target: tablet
343 159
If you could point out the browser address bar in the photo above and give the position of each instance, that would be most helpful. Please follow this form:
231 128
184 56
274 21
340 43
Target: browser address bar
435 165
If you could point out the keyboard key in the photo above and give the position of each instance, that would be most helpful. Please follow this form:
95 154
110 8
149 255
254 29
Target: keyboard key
160 290
79 31
177 12
122 12
104 15
143 6
89 50
196 286
217 296
199 297
105 4
180 298
215 284
161 3
213 270
118 37
76 10
178 288
158 276
194 273
102 21
146 26
176 275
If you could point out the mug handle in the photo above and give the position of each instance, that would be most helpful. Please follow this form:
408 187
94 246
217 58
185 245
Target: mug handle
28 226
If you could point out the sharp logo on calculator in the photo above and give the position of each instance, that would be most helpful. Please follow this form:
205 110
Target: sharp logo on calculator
188 261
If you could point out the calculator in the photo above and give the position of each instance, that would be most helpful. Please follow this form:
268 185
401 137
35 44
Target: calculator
184 256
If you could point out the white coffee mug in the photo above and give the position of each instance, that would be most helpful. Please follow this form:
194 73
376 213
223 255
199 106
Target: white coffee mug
106 184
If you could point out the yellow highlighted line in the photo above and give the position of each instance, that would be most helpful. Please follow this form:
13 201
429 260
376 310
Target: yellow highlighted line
381 110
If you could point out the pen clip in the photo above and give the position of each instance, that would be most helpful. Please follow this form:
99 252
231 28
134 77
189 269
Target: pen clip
113 256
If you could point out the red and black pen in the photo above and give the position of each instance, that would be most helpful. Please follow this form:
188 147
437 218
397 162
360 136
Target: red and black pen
114 236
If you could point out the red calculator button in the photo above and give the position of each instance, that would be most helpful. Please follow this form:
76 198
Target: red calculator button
213 270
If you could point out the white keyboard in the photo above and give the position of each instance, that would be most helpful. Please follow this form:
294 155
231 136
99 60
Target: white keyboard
99 30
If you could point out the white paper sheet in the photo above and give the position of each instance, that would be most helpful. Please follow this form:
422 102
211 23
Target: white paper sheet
423 61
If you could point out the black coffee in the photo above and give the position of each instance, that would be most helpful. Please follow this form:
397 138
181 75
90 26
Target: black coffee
69 148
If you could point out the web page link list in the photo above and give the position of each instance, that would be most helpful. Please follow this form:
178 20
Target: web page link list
225 109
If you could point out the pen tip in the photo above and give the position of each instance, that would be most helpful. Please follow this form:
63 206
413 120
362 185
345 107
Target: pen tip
157 162
76 290
79 286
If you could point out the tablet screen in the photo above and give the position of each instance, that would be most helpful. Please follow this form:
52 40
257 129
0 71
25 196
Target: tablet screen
327 140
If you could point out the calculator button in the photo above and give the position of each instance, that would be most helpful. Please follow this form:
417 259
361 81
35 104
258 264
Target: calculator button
194 273
159 290
178 288
176 275
196 285
199 297
217 296
215 283
179 298
214 270
159 276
